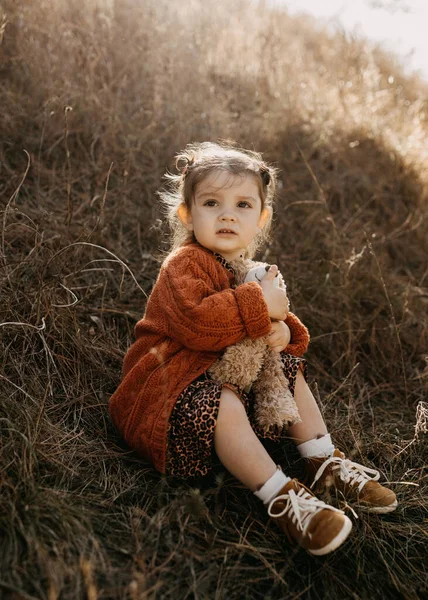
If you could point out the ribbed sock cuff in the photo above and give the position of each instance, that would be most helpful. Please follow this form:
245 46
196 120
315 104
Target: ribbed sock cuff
322 446
272 486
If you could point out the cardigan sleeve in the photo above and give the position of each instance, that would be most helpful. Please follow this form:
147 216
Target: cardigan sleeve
202 318
299 336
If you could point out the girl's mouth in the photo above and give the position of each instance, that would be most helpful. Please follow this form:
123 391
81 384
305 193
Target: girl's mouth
226 232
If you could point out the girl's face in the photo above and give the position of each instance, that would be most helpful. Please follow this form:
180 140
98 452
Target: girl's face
226 213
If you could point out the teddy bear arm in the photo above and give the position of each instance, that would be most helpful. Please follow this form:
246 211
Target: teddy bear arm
240 363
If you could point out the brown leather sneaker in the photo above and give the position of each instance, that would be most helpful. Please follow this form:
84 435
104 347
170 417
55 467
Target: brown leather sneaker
314 525
350 481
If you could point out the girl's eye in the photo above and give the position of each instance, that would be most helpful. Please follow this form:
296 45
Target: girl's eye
209 203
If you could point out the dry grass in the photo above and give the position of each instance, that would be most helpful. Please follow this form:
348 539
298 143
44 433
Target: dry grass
96 98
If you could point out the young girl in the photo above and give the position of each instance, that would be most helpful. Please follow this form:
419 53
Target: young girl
169 409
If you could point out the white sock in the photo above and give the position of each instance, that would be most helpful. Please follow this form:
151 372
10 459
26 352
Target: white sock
322 446
269 490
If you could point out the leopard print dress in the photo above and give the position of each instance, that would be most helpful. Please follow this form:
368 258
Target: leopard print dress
190 435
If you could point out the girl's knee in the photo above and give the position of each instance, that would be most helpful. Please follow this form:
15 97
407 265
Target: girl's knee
301 373
230 394
230 401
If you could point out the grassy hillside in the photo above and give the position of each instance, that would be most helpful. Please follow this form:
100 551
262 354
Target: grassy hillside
96 98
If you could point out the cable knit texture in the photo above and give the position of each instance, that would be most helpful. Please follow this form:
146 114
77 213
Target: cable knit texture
191 316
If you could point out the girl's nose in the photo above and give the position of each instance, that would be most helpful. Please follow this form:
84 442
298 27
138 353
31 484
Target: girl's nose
227 217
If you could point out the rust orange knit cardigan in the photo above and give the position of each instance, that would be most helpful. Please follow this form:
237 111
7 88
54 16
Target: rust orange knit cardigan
191 316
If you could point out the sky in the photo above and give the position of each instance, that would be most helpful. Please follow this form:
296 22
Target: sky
399 25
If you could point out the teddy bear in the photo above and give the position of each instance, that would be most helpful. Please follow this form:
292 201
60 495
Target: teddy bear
252 364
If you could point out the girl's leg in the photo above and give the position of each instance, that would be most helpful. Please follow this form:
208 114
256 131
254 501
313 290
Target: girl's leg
238 447
289 503
312 425
323 461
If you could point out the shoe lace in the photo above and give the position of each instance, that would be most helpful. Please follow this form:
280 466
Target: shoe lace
349 472
301 507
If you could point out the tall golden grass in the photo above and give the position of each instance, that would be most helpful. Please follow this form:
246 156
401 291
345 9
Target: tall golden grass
96 98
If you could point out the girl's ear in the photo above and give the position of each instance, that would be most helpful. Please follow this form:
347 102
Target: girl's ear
185 217
266 212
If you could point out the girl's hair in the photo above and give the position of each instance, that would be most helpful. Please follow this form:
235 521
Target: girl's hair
194 164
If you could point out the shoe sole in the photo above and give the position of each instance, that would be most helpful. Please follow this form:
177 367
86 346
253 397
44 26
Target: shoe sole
366 508
378 509
337 541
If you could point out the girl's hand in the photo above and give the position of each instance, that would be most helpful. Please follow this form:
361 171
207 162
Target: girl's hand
275 298
279 337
